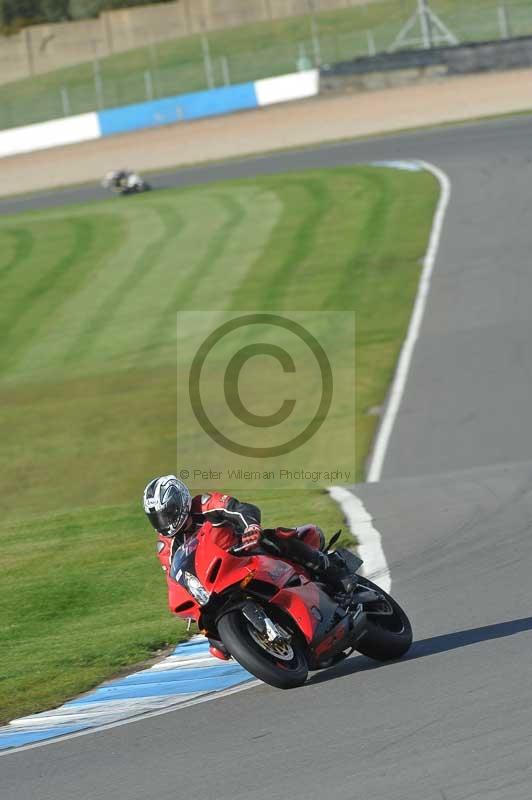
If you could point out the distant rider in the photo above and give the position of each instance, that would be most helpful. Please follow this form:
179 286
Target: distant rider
116 179
176 515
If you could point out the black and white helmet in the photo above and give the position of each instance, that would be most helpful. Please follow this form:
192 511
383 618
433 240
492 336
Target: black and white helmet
167 504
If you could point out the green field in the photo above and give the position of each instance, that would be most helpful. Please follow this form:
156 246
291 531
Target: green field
250 53
88 385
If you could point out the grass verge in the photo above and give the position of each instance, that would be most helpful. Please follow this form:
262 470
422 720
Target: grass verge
88 396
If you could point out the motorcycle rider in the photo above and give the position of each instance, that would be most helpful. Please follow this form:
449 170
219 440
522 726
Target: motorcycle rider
124 181
117 179
176 515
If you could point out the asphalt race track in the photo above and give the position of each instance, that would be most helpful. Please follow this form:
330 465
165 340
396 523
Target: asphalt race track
452 721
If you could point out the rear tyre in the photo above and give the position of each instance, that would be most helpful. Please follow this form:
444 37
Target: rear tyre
388 636
283 673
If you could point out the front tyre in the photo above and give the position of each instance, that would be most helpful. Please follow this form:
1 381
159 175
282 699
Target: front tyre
285 670
389 633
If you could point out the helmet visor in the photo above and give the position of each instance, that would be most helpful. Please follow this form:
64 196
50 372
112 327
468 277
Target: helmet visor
168 521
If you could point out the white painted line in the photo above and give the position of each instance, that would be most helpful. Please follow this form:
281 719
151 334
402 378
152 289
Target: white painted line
185 663
409 166
369 539
398 385
360 521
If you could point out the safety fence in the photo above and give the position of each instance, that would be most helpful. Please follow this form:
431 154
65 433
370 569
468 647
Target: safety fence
163 69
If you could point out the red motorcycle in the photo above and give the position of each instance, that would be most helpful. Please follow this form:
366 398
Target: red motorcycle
273 617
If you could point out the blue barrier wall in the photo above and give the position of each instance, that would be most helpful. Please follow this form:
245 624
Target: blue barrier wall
178 108
84 127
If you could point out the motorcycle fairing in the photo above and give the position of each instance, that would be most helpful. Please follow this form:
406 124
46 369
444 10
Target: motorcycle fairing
179 598
218 571
313 611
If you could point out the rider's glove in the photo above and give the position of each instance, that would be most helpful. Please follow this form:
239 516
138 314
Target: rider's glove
251 536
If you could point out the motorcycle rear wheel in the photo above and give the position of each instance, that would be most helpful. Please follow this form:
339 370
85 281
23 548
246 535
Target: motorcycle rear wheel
234 630
388 636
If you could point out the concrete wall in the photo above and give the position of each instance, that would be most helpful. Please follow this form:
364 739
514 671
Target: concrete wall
414 66
169 110
15 57
128 28
42 48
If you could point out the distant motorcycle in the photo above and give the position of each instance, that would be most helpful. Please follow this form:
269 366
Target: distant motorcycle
274 617
125 182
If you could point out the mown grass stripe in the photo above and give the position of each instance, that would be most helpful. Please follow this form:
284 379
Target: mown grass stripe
24 244
47 284
37 293
172 225
269 277
118 245
366 246
192 285
302 242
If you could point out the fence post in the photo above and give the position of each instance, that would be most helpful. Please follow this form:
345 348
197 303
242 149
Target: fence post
65 100
225 70
424 20
303 62
98 86
315 41
148 85
155 76
504 23
207 61
372 50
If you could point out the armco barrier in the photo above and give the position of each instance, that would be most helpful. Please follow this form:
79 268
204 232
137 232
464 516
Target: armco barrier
412 66
180 108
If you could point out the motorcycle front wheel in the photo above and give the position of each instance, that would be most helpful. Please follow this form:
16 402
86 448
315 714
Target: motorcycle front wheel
283 666
389 633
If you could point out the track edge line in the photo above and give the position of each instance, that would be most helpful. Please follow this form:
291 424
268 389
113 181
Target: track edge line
378 454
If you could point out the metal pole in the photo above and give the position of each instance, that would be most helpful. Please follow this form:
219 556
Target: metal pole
504 24
207 61
315 41
98 85
424 22
154 69
148 85
372 50
225 71
65 101
303 62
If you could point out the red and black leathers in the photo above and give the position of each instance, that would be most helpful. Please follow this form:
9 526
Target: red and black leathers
218 509
300 544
